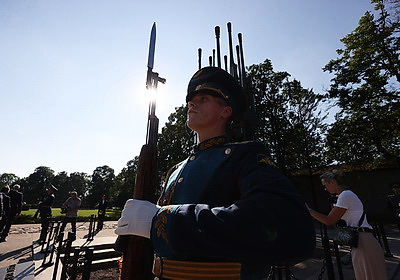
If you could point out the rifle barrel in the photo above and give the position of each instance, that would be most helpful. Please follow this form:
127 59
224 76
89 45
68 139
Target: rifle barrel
243 70
239 65
199 55
213 57
217 37
226 62
232 67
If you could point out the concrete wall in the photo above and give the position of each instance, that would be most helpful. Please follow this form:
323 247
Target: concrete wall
371 186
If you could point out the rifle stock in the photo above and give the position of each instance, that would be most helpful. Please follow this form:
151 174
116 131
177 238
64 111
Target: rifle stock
138 253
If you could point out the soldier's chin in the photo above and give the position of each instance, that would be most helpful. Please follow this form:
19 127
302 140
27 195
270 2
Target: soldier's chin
190 124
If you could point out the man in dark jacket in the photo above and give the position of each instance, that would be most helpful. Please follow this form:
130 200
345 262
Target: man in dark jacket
45 212
393 202
101 212
5 209
227 210
16 198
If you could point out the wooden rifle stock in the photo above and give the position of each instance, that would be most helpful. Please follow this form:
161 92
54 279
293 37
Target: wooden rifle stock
138 253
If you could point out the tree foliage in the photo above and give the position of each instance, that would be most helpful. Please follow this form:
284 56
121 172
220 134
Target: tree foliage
366 89
124 183
36 184
8 179
288 118
102 180
174 142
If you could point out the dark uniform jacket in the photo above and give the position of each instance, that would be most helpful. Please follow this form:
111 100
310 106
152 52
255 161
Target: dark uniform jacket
45 206
229 202
5 206
393 204
102 206
16 202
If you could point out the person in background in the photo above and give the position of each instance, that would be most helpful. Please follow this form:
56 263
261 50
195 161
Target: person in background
393 202
5 209
44 208
72 205
368 258
101 212
227 208
1 207
16 198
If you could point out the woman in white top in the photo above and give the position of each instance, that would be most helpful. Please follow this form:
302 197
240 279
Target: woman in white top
368 258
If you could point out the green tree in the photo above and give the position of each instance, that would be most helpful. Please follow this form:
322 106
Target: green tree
307 127
80 182
175 141
60 181
366 89
76 181
124 183
36 184
287 118
103 179
8 179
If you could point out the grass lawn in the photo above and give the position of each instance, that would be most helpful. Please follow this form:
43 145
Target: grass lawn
26 217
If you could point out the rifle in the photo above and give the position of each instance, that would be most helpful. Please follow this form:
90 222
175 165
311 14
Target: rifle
138 251
244 128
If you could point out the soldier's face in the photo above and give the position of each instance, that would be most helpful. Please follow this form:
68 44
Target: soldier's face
205 111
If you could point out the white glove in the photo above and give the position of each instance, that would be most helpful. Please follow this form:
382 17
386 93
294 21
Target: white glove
136 218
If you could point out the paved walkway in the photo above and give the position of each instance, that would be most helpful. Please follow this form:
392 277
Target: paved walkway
20 257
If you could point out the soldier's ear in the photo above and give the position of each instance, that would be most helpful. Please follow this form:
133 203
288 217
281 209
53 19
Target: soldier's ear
227 112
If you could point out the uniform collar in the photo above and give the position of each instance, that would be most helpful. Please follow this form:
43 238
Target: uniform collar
209 143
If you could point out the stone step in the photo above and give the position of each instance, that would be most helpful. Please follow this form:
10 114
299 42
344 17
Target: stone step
19 271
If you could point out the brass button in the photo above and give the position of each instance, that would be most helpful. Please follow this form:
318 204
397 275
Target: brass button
192 157
180 180
228 151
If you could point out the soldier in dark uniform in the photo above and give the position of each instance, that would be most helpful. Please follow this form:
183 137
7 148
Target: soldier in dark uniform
393 202
15 210
101 212
45 212
226 212
5 209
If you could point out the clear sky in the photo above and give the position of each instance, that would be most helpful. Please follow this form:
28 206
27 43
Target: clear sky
72 72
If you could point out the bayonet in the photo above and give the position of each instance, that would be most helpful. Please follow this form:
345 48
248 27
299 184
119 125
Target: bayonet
150 60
